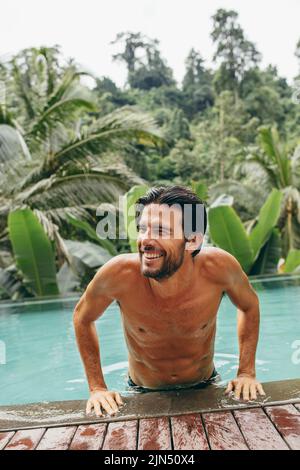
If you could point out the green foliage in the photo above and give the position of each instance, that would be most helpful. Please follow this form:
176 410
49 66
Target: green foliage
179 126
267 219
234 52
54 140
130 199
196 85
148 72
33 252
269 255
292 262
231 129
228 232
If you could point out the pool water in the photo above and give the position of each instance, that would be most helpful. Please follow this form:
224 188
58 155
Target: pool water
39 360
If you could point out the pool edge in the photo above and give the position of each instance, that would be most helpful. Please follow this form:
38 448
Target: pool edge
146 405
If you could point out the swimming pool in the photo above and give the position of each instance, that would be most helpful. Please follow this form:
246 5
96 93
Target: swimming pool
39 360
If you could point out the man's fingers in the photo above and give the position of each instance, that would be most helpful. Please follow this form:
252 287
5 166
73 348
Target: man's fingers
237 391
246 392
229 387
260 389
97 408
112 403
105 404
88 407
118 399
253 392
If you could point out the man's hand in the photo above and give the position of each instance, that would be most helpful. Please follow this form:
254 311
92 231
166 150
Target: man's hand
245 387
103 398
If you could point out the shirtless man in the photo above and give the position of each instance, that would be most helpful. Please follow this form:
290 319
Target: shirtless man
169 294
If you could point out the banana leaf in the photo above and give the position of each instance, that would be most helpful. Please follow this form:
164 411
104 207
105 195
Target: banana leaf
269 256
267 219
227 231
91 233
90 254
200 189
129 213
33 252
292 262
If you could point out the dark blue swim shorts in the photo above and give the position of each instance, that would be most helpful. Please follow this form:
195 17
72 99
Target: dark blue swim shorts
213 378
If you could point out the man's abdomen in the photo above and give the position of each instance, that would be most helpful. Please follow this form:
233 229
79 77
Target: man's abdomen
171 371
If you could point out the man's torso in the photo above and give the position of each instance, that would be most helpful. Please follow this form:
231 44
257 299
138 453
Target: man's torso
170 341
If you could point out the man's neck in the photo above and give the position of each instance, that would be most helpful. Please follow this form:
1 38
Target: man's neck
175 285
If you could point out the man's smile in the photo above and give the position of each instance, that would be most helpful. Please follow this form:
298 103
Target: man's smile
151 255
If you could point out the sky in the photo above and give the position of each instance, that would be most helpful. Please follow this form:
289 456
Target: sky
84 29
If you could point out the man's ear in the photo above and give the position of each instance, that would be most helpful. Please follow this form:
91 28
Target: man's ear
194 241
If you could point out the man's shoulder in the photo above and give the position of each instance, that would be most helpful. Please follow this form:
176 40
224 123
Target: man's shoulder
121 265
114 277
217 264
116 273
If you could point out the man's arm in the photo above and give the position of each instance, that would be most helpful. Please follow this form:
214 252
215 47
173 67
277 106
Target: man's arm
98 296
242 294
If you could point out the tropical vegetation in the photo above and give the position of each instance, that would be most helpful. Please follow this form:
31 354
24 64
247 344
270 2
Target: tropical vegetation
71 144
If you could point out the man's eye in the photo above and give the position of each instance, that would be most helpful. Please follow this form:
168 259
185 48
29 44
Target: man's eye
162 231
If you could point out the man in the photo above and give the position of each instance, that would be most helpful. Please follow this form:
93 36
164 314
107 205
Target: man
169 294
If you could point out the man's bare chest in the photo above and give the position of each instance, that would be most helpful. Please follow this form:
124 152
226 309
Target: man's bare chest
191 315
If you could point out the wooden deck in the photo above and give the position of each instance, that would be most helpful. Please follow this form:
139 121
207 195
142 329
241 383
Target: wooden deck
261 426
266 428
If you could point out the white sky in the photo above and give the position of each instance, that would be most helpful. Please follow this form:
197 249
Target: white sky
84 29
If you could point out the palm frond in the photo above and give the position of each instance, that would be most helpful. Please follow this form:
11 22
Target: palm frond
112 132
60 215
68 98
13 150
246 198
269 170
295 165
5 116
12 145
275 151
52 231
87 188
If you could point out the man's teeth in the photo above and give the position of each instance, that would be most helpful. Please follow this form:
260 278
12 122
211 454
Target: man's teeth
152 255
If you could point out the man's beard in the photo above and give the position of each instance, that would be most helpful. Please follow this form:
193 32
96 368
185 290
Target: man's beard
170 266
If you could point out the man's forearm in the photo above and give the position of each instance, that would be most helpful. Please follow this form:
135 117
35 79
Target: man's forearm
248 331
88 344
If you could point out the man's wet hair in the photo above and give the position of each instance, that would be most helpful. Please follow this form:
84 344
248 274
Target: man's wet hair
175 195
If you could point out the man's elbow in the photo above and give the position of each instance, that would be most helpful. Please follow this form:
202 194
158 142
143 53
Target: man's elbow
253 305
78 314
77 319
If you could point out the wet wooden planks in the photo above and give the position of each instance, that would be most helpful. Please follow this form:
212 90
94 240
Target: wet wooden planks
188 433
27 439
286 418
154 434
275 427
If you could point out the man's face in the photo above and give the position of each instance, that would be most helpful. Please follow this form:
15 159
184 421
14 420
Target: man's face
161 241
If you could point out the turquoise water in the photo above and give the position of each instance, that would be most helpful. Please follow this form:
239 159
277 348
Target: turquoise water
43 364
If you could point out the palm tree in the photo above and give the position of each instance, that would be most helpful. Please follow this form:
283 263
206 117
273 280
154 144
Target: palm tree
56 151
271 166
